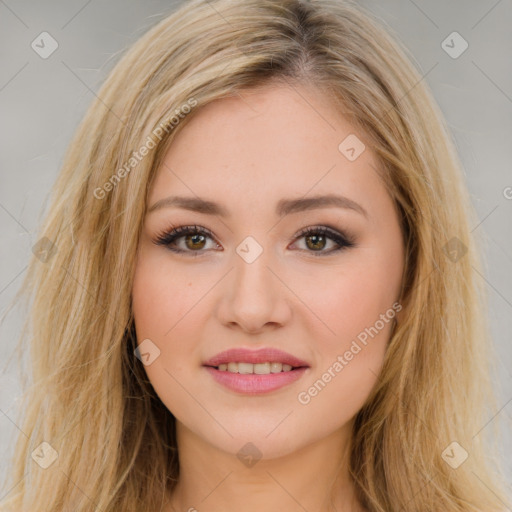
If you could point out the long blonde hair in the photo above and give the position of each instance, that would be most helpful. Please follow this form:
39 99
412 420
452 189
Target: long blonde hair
89 397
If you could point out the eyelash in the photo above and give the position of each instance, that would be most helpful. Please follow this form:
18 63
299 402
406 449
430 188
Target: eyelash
169 236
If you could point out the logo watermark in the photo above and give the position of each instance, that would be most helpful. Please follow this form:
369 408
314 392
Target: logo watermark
304 397
164 127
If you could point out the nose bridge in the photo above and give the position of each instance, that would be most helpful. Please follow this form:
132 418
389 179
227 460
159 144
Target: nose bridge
252 276
255 297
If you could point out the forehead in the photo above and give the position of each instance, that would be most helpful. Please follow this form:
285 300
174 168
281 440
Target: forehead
274 123
266 143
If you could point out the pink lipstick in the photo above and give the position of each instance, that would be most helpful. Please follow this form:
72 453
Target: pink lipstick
255 371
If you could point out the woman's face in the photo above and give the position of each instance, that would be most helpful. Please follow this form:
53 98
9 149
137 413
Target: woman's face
251 279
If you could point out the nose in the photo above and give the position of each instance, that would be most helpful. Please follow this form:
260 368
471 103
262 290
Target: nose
254 298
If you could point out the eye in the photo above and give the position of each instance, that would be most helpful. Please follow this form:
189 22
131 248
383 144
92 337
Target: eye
317 238
195 239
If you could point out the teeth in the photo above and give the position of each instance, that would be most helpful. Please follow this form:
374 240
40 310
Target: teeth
258 368
276 367
245 368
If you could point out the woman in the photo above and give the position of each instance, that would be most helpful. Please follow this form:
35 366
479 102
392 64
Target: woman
254 288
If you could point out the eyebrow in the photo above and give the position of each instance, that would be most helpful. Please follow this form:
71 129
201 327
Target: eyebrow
284 206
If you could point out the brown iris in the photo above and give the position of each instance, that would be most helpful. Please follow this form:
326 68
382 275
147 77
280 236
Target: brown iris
318 241
195 239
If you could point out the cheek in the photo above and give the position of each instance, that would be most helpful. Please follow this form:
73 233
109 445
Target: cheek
168 304
162 296
161 299
355 303
348 299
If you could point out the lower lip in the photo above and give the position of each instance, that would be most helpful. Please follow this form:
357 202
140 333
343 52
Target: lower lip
253 384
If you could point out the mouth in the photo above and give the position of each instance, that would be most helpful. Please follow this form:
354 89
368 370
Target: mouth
254 372
249 359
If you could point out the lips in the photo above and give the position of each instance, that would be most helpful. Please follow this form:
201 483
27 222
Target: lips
262 355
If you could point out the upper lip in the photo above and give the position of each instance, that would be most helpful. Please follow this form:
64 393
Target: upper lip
262 355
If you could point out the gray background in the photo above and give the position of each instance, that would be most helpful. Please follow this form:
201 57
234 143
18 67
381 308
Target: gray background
42 101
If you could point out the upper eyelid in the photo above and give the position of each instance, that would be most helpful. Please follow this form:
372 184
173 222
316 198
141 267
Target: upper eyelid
186 229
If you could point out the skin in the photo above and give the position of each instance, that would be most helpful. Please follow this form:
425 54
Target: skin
247 153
